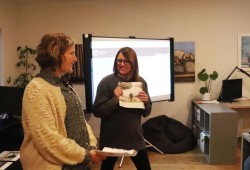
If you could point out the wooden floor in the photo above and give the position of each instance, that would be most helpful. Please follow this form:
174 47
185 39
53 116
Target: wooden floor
191 160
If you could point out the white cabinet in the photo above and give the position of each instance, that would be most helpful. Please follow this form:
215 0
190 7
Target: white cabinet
215 127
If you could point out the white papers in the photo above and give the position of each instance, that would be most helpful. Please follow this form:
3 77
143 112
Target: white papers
106 151
4 165
9 156
207 101
130 98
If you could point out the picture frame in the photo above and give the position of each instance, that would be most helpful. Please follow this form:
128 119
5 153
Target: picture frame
184 61
244 51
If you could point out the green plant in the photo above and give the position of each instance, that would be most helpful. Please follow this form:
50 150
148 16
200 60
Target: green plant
26 65
203 76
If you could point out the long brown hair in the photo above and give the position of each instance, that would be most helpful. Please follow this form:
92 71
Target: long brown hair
131 56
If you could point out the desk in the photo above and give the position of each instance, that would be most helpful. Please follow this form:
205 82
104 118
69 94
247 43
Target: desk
241 104
243 109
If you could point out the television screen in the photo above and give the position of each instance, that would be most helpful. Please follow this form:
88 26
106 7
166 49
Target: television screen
155 58
231 89
11 101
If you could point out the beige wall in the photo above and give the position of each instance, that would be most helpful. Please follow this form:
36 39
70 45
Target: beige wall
9 37
213 25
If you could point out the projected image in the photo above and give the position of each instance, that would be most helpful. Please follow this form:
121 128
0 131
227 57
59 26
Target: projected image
151 54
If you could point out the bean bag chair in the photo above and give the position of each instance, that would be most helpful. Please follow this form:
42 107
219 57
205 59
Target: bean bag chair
169 135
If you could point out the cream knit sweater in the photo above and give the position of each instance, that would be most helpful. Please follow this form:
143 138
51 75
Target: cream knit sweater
45 145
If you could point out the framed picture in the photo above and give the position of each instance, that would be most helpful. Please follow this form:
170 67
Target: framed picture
244 51
184 61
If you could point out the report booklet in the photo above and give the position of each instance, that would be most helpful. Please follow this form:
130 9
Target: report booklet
130 98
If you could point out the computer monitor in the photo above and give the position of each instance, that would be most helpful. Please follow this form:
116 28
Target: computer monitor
231 89
11 101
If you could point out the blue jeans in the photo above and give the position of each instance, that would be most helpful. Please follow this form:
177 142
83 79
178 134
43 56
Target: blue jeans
247 163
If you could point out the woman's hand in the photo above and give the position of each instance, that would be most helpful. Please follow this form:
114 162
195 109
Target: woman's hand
118 92
96 158
143 96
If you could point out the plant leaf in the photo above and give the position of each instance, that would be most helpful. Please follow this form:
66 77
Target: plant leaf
202 75
23 63
18 48
203 90
214 76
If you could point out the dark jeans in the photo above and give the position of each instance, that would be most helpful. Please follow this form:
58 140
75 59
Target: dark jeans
140 161
247 163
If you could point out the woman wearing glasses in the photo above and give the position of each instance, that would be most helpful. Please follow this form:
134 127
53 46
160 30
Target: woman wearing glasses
120 126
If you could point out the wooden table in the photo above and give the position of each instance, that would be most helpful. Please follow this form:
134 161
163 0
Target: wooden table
243 109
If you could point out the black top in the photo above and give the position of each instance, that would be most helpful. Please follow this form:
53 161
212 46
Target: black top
120 127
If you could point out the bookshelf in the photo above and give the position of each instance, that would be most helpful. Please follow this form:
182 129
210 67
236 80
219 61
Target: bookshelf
215 127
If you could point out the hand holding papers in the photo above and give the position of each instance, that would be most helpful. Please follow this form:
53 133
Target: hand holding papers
106 151
130 98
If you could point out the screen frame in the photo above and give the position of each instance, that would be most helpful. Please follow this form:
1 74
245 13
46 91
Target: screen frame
87 54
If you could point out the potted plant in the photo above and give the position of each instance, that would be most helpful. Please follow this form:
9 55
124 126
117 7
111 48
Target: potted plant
26 65
207 79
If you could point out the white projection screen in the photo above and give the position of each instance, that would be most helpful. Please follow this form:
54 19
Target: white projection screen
155 59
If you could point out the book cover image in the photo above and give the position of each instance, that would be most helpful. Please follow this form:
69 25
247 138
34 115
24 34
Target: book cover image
129 98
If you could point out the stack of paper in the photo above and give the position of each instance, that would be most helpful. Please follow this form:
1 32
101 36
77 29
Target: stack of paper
207 101
7 158
106 151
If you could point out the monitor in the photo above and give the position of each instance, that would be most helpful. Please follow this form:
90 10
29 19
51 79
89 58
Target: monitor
231 89
11 101
155 58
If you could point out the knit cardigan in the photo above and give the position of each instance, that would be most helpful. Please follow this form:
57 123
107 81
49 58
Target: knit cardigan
45 145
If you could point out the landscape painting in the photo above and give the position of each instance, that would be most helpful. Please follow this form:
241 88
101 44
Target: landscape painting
184 61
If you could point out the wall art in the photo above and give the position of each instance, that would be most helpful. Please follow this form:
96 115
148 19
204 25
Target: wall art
184 62
244 51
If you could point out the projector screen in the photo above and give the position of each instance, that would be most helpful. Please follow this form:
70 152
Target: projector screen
155 59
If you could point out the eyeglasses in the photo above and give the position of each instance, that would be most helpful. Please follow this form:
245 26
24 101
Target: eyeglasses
120 61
